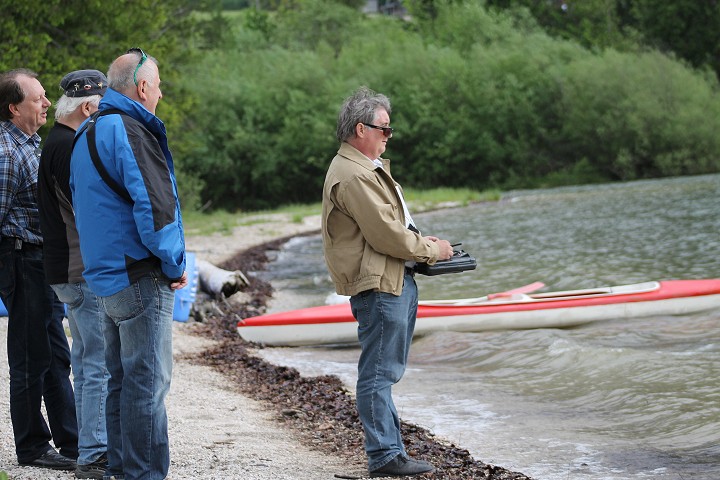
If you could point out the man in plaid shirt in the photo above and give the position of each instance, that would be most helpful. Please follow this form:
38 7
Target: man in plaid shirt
38 351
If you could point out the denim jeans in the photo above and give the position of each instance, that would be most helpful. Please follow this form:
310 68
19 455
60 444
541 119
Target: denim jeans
385 329
88 364
138 355
38 356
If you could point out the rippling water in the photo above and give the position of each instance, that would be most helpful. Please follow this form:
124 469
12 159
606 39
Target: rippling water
612 400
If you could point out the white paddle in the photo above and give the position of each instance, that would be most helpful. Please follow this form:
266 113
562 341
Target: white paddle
532 287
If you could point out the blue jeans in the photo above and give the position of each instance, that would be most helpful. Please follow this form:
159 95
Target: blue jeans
138 355
385 329
88 364
38 356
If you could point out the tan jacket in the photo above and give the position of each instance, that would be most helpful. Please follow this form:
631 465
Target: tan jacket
365 240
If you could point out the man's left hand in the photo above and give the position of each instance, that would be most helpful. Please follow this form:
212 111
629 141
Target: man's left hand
446 250
182 282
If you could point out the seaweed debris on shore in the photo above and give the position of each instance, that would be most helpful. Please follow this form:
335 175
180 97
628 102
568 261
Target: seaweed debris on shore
319 409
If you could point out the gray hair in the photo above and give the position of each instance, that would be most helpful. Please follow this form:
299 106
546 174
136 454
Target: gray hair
360 107
121 74
67 105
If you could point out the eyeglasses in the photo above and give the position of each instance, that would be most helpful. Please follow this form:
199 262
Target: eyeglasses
387 131
142 60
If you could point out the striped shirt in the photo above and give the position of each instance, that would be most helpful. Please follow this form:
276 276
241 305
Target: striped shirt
19 161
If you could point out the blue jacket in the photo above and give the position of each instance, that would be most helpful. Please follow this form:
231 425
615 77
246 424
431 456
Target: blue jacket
122 241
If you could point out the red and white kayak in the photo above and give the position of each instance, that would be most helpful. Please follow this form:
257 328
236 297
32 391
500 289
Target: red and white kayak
514 309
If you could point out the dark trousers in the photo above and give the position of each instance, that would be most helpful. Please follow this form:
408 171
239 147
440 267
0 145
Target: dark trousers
38 355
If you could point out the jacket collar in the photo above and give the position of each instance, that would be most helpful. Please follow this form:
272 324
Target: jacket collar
353 154
136 110
115 99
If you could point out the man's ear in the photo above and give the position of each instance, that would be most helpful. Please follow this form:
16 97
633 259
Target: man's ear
13 110
359 130
141 86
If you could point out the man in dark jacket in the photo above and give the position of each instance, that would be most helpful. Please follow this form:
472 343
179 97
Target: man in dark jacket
82 92
131 238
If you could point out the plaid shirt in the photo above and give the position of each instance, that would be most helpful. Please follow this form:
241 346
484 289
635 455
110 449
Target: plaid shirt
19 161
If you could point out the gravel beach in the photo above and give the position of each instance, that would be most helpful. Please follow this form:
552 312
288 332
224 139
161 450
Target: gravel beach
234 416
215 432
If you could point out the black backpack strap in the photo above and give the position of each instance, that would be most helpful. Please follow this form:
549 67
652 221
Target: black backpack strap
92 147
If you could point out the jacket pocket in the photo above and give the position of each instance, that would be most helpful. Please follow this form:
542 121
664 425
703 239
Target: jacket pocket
344 264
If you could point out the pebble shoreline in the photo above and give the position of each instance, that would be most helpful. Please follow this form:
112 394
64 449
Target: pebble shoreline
233 415
318 408
215 431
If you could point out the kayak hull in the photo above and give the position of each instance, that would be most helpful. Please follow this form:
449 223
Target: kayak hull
334 324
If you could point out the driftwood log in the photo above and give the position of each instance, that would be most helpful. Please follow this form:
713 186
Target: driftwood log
216 281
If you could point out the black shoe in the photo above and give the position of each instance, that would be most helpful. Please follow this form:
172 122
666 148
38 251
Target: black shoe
95 469
51 459
402 466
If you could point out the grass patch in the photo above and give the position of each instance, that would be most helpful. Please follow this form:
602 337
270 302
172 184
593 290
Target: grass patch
218 221
224 222
424 200
298 212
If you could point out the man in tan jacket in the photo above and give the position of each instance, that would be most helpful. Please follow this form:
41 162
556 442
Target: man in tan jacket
371 246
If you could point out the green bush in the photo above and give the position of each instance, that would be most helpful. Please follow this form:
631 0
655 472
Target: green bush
640 116
480 100
271 142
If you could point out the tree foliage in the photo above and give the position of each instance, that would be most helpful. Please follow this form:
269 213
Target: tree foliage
482 99
686 28
54 37
486 94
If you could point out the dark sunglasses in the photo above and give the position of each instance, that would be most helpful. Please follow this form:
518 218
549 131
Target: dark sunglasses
387 131
142 60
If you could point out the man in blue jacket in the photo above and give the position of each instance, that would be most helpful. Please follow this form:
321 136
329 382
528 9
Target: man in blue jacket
132 244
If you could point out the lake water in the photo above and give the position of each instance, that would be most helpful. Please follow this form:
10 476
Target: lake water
637 399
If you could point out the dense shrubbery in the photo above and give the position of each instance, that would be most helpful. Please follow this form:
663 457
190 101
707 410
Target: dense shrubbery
54 37
686 28
481 100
